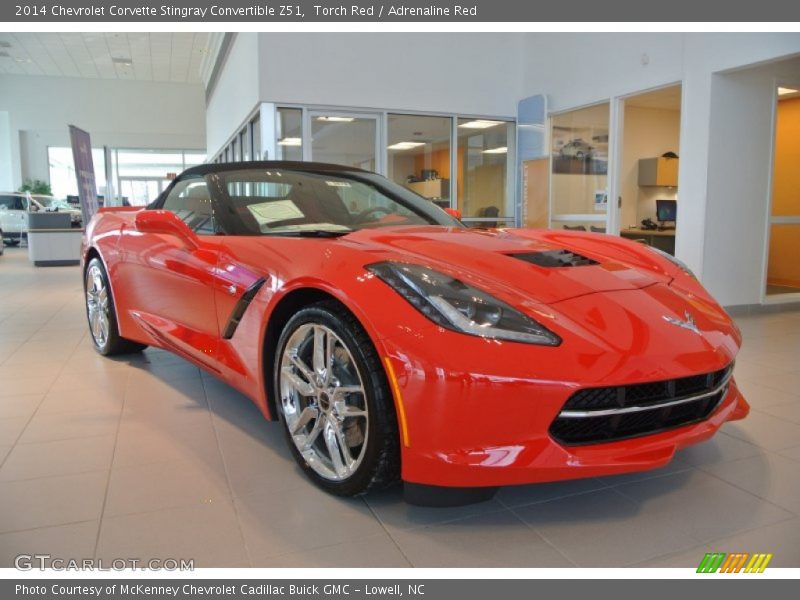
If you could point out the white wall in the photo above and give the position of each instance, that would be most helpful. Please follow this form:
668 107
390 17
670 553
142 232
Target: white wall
578 69
116 113
235 93
470 73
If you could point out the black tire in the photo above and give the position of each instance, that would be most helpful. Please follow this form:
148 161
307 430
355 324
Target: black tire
111 343
11 242
380 461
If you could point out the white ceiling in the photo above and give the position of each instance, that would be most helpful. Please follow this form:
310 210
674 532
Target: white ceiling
154 56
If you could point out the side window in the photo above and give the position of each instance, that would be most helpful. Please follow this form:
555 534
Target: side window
191 202
7 202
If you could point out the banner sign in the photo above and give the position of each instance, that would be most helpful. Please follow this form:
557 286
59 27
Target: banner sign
515 11
84 172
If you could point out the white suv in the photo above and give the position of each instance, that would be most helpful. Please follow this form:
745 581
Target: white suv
14 208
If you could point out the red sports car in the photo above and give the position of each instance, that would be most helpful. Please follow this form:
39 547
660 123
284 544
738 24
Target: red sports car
392 343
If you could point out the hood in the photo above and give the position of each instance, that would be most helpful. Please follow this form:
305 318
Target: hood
547 266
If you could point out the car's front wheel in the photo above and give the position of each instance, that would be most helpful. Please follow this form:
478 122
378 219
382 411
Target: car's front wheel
101 313
334 401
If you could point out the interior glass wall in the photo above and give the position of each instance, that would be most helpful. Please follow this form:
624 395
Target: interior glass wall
418 150
483 170
579 168
459 162
289 134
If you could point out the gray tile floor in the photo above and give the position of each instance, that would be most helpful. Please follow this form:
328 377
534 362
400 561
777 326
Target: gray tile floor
148 457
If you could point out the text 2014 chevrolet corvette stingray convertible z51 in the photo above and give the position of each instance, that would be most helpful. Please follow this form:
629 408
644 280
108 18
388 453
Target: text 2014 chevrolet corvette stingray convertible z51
392 343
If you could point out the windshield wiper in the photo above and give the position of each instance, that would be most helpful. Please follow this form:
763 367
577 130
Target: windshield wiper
312 233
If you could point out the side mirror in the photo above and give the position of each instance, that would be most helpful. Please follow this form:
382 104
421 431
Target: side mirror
167 223
453 212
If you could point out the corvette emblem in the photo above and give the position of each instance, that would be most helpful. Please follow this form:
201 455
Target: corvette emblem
687 324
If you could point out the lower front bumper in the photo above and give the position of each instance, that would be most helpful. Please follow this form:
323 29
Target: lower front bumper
544 460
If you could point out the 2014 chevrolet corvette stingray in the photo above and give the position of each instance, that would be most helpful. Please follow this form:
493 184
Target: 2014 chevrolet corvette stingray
393 343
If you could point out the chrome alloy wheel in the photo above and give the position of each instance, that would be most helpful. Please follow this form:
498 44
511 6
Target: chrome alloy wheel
97 305
323 401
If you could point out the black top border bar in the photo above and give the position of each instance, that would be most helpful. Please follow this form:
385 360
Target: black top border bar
517 11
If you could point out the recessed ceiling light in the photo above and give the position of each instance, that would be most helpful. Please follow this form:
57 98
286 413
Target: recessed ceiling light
336 119
783 91
290 141
480 124
5 44
122 62
20 59
405 145
499 150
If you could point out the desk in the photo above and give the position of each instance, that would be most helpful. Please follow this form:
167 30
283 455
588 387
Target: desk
663 240
54 247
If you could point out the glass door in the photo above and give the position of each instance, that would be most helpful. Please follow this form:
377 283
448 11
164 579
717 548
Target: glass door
783 268
350 139
139 191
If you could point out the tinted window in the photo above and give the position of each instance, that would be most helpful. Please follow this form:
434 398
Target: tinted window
191 202
12 202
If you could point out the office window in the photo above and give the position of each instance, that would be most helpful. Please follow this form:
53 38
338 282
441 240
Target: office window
289 134
255 136
244 143
484 183
419 155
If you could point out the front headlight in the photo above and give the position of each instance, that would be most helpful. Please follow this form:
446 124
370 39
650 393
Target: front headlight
455 305
678 263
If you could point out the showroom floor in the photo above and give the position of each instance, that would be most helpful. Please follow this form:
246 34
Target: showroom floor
147 457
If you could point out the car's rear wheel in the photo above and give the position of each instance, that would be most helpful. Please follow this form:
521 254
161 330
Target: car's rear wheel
334 402
101 313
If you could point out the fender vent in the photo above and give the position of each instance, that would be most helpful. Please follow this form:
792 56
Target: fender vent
555 258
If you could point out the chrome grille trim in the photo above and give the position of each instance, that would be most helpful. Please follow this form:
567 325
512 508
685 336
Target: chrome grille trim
578 414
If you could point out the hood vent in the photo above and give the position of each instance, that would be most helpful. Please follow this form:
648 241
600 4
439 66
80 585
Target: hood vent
555 258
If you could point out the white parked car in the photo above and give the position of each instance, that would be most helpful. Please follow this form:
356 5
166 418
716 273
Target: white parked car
14 209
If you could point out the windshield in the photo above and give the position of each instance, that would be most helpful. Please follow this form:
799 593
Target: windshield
286 202
46 201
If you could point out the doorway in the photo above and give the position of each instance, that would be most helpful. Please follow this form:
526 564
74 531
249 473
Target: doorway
783 268
648 167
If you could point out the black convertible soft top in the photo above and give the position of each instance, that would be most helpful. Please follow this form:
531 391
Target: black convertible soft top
311 167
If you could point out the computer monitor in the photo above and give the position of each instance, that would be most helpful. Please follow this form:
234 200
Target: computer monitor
666 210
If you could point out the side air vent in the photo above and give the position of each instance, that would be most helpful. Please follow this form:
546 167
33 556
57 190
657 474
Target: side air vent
240 308
555 258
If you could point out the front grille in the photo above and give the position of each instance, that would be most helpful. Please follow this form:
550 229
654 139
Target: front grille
596 415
